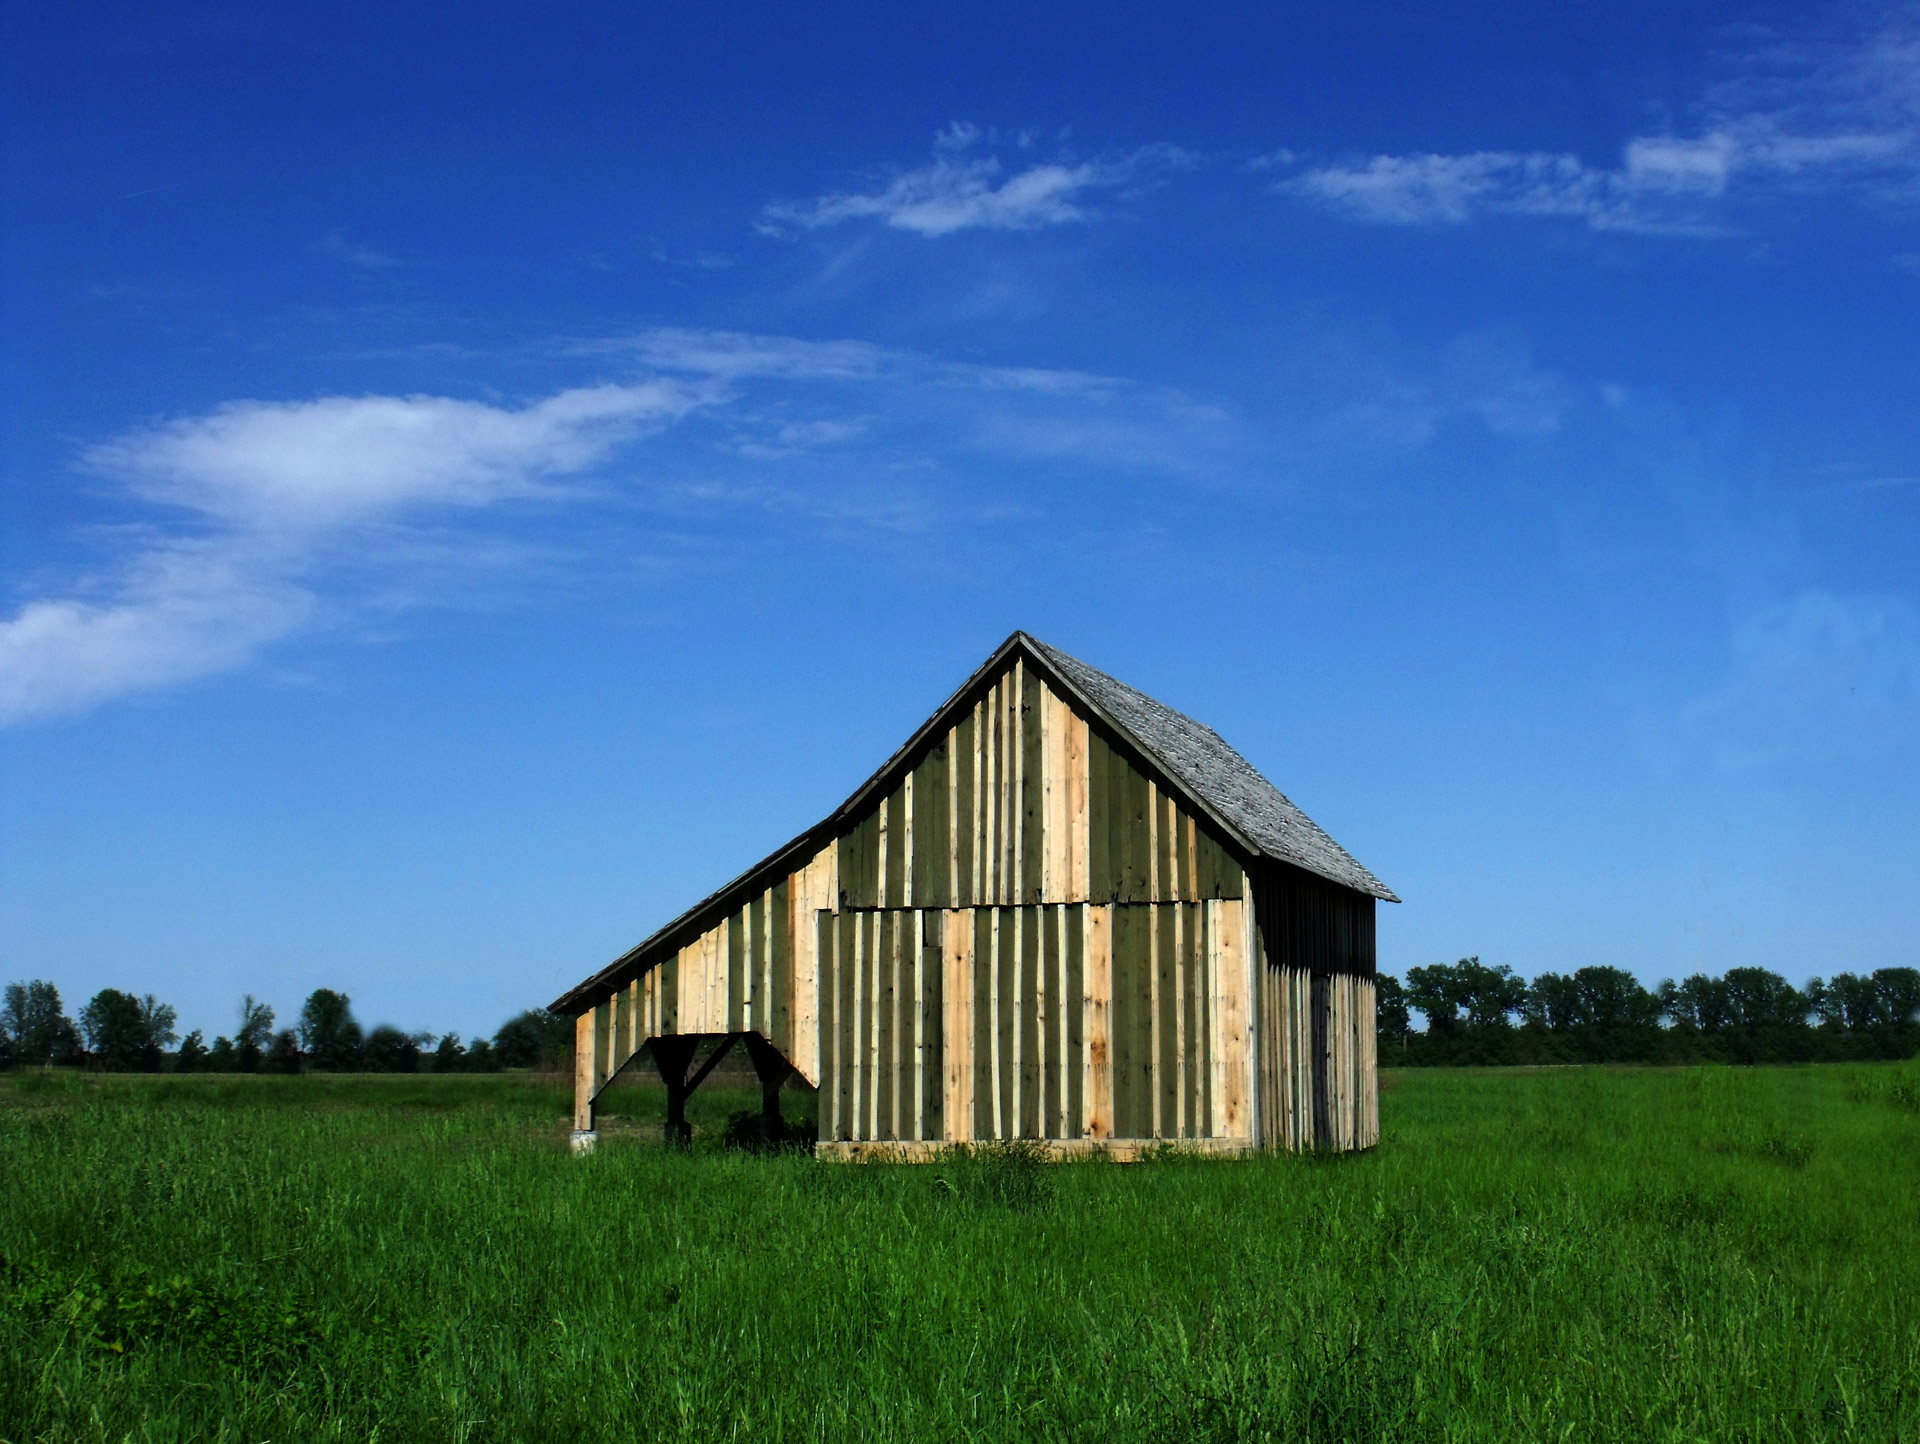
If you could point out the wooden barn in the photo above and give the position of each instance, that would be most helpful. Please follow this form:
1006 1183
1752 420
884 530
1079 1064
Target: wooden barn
1061 911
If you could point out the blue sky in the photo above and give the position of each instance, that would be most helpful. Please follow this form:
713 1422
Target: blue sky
474 478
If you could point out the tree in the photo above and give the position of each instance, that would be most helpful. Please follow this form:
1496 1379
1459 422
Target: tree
481 1058
255 1034
37 1027
1698 1003
1486 995
1757 998
223 1057
534 1038
1391 1021
283 1053
1613 998
193 1056
1553 1002
1850 1003
328 1031
1899 993
388 1050
125 1033
449 1057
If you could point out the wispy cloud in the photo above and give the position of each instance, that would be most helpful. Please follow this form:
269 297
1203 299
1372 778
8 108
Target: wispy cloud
961 190
254 496
1793 117
336 246
265 517
1819 676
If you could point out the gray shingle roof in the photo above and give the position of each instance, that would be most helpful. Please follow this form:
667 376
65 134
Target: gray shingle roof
1198 759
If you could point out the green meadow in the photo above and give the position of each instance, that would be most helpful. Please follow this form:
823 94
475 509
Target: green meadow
1568 1253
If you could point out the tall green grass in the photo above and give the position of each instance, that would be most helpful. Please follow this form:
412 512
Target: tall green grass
1579 1254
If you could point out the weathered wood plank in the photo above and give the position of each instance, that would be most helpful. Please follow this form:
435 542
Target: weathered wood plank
966 809
1075 748
1100 1060
1030 1022
583 1067
956 1025
986 1066
886 1025
1234 988
1100 884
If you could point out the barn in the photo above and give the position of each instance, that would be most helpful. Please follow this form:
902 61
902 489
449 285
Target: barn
1061 911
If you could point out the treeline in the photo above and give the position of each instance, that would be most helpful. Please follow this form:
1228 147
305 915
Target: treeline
124 1033
1475 1014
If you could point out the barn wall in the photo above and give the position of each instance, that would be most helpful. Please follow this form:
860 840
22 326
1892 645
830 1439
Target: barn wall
1024 936
1317 1082
1061 1021
1024 801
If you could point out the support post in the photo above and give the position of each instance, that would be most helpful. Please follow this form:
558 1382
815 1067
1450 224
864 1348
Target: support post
584 1134
773 1069
671 1055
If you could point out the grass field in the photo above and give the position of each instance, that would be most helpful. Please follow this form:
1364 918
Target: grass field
1584 1254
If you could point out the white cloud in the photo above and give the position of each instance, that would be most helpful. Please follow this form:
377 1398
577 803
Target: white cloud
955 192
269 516
297 466
265 489
1819 676
1796 119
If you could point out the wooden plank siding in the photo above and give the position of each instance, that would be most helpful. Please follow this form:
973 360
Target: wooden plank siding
1022 801
982 1024
1024 932
1318 1078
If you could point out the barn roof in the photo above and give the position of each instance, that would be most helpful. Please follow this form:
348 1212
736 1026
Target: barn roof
1199 758
1195 758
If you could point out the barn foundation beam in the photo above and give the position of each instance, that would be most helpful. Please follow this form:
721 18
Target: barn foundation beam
773 1070
672 1056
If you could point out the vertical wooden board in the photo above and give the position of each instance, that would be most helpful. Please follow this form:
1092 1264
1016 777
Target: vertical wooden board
1032 1022
1162 813
1192 1036
956 1026
1006 839
1139 837
1074 814
930 1019
985 1054
1033 800
1167 997
780 969
757 1008
1007 1037
964 811
670 995
617 1034
1066 801
1100 1060
736 972
583 1071
823 886
847 1024
1052 1012
885 1024
1099 820
1124 1008
871 1015
907 1040
926 792
827 927
894 833
1075 1004
1236 985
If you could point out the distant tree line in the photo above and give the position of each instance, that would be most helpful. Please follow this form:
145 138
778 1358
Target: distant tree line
1476 1014
120 1032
